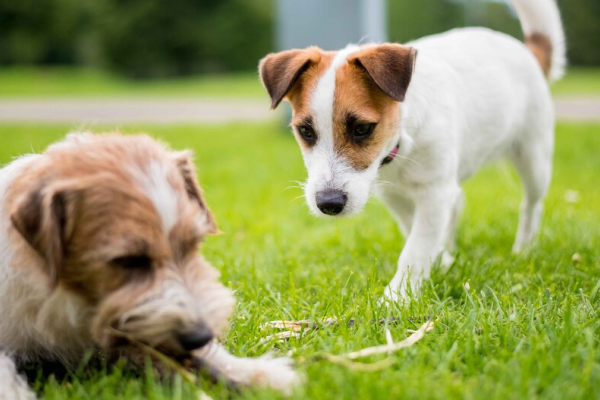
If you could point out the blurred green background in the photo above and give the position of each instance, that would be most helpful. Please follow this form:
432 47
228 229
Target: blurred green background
158 39
528 328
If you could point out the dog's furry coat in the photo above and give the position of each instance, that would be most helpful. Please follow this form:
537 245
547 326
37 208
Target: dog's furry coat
100 235
442 107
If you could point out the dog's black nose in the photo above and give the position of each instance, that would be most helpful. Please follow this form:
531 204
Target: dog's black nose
331 202
195 339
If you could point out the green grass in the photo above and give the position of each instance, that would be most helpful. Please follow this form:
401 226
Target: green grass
527 328
77 82
579 81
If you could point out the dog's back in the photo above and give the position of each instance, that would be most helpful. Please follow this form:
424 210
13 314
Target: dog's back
487 88
483 88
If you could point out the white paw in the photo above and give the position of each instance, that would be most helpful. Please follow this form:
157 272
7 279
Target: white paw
393 296
265 371
517 247
275 373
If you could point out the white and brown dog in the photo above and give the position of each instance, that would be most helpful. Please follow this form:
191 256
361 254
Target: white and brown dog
470 96
99 237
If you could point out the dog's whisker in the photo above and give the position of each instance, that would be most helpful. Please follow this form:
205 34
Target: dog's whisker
380 183
408 159
293 187
299 197
298 185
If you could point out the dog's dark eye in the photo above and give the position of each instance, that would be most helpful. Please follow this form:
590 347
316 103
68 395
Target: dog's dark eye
307 133
362 131
133 262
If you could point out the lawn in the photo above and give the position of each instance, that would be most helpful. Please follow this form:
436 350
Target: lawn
526 327
77 82
579 81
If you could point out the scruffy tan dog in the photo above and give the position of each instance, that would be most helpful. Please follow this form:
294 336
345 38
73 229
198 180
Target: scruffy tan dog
99 236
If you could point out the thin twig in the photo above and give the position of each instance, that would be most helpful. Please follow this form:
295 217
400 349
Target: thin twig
388 337
306 324
347 359
280 336
386 348
204 396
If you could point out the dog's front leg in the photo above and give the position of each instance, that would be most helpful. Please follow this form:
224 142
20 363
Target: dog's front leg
433 212
265 371
12 386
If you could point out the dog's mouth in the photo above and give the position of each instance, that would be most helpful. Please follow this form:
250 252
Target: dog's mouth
181 350
173 357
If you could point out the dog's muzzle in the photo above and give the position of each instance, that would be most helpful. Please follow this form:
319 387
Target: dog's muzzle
195 339
331 202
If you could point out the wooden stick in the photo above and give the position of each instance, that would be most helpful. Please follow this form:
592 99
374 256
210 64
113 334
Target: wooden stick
346 360
386 348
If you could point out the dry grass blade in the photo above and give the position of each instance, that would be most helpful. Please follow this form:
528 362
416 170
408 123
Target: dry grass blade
306 324
204 396
298 326
346 360
390 347
280 336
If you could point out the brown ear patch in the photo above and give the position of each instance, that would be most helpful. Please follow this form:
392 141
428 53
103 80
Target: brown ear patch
358 97
41 219
188 172
390 66
541 47
279 72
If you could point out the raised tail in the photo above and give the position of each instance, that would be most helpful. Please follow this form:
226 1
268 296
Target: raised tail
544 34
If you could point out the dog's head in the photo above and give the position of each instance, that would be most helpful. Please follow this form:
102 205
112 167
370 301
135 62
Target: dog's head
345 115
117 221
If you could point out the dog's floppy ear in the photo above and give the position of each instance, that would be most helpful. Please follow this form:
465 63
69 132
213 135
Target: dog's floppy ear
41 217
185 164
280 71
390 66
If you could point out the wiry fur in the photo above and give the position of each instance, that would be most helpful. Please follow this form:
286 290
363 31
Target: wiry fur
99 238
473 95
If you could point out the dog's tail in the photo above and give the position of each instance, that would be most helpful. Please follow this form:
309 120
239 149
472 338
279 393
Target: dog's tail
544 34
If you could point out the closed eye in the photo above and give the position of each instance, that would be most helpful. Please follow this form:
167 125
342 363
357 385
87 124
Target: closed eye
133 262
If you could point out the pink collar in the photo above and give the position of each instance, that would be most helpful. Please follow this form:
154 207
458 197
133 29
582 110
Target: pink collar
390 157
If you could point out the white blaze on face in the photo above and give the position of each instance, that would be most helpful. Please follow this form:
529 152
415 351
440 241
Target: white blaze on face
158 189
326 168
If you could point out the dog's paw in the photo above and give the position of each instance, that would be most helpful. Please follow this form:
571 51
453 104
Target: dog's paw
393 296
275 373
265 371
